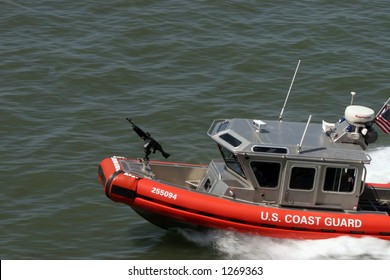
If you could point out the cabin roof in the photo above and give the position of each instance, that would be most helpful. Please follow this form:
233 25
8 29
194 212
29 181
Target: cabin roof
282 139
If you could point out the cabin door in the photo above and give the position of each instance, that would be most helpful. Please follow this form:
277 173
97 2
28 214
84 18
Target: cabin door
300 186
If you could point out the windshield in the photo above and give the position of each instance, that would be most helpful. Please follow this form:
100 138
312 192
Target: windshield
231 161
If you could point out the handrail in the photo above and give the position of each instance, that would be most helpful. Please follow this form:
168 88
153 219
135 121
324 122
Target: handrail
213 125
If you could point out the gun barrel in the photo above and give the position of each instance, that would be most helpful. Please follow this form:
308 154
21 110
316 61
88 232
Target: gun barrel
138 130
130 121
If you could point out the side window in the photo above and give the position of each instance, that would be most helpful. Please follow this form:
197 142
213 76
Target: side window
302 178
267 173
339 179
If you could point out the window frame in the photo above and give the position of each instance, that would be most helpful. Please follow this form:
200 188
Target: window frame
294 177
231 161
350 172
273 187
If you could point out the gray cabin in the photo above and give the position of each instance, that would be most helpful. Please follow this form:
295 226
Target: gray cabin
289 164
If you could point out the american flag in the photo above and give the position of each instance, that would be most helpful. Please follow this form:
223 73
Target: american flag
383 118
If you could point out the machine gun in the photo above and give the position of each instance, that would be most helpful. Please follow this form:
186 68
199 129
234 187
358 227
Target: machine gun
150 144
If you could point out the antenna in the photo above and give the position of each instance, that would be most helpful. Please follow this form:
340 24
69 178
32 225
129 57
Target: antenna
299 148
288 93
353 95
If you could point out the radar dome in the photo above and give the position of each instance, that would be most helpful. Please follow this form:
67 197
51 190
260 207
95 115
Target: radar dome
356 114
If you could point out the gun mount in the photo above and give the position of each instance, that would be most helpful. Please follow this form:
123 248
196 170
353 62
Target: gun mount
150 145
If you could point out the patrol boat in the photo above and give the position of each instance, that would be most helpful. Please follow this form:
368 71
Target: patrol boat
275 178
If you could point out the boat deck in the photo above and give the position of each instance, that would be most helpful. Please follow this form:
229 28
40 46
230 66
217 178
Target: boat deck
370 200
372 205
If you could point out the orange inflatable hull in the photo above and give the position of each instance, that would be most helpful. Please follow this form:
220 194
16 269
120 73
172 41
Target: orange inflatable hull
169 207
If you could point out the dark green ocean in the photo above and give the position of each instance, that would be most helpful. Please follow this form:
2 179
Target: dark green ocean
72 71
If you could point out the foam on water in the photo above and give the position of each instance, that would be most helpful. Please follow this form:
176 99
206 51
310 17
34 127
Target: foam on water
232 245
238 246
379 169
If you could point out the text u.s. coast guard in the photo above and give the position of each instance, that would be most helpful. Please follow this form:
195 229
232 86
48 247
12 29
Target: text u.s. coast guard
310 220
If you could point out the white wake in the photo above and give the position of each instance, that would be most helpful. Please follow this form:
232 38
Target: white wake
379 169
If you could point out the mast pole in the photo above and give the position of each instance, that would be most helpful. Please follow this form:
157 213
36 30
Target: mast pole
289 90
303 136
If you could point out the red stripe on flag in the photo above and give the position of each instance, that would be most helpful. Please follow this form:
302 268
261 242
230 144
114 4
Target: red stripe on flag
383 120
